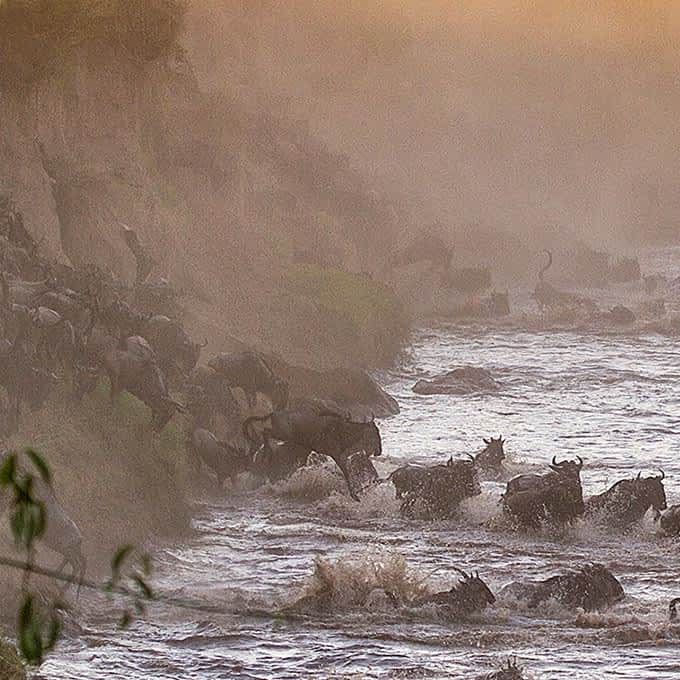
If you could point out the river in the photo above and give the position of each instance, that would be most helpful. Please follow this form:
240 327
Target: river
613 398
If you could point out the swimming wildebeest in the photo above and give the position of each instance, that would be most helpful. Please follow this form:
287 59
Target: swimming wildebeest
589 588
493 455
435 490
250 372
556 496
316 428
628 500
549 297
468 596
225 460
132 366
672 609
511 671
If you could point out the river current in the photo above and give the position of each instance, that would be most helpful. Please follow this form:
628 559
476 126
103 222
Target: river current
613 398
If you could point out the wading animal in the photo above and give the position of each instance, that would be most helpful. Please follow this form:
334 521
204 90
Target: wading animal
225 460
549 297
468 596
589 588
493 455
628 500
556 496
669 521
324 431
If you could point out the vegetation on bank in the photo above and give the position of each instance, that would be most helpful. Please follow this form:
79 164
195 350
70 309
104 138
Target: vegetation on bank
120 482
360 316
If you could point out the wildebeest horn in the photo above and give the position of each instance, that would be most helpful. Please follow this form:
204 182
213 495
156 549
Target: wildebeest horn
580 462
460 571
662 476
554 461
487 441
471 457
639 475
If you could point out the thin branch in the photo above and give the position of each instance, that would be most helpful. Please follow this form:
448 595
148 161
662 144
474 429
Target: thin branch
180 603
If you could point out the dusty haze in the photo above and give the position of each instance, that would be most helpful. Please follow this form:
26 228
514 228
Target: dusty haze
514 116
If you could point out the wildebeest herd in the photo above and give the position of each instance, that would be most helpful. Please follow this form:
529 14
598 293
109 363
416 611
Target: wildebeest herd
61 323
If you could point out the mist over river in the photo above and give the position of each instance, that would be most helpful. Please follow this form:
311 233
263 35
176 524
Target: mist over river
612 398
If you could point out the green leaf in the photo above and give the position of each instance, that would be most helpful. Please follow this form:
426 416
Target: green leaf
40 465
119 557
144 587
8 470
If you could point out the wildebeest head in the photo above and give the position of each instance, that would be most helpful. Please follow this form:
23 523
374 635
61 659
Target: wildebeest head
190 353
493 455
653 490
510 671
474 590
568 468
672 609
603 584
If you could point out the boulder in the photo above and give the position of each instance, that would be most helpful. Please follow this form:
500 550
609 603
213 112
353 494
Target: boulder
463 380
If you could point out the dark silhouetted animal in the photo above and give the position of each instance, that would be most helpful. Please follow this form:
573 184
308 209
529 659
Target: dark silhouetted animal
672 609
511 671
175 350
275 461
628 500
250 372
589 588
468 596
493 455
437 490
556 496
133 367
225 460
549 297
317 429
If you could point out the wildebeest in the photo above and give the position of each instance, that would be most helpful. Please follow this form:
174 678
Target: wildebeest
175 350
672 609
324 431
210 395
511 671
493 455
225 460
556 496
628 500
468 596
275 461
589 588
438 492
132 366
251 372
49 334
669 521
549 297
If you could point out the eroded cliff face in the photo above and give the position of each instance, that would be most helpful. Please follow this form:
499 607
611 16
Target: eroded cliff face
229 197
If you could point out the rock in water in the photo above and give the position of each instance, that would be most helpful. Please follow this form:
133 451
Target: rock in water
464 380
621 315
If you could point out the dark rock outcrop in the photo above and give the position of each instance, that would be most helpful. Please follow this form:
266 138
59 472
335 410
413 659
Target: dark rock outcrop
464 380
